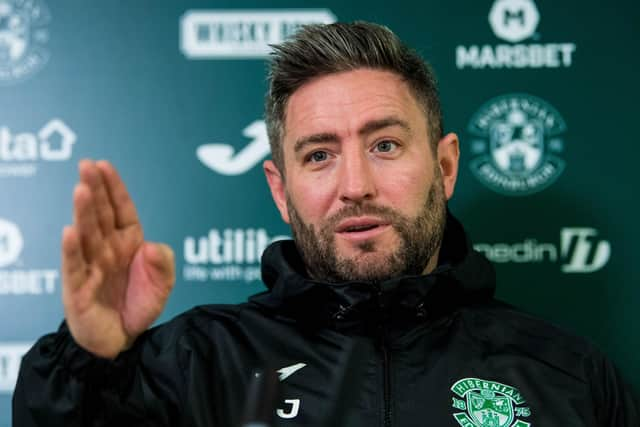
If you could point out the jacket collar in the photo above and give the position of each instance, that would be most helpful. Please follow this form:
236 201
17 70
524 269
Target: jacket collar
462 276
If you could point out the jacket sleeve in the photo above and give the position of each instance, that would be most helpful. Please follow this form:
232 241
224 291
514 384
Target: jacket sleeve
62 385
614 401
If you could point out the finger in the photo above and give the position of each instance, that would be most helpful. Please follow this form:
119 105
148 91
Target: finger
80 281
74 266
92 176
124 208
86 221
160 259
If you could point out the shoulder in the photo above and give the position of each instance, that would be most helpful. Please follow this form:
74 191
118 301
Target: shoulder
198 324
504 329
548 357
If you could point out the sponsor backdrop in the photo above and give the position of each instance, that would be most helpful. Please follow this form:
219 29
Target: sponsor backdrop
543 95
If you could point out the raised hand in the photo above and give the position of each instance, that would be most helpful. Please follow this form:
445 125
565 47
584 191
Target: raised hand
114 283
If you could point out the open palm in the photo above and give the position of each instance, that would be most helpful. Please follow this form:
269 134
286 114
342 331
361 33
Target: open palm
114 283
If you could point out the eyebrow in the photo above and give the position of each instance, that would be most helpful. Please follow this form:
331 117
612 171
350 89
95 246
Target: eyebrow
368 128
318 138
375 125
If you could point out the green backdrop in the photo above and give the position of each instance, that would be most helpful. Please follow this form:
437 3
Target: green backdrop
542 94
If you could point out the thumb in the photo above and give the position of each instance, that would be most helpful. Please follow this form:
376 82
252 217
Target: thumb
160 262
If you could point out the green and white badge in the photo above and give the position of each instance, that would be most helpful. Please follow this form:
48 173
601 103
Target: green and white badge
517 144
488 404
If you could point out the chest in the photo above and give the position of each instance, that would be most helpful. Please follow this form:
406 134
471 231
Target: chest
334 380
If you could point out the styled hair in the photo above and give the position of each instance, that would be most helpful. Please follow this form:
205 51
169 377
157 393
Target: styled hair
321 49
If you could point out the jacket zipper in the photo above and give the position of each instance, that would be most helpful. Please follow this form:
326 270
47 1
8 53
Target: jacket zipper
386 357
386 369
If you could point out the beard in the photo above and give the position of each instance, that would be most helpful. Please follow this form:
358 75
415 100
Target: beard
419 237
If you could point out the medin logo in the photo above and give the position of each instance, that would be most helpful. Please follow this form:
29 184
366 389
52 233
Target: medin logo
580 250
23 35
516 145
584 254
488 403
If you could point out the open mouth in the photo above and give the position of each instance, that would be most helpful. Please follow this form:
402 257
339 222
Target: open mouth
360 228
364 227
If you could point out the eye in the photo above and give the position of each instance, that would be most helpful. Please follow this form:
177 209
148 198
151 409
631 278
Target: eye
386 146
318 156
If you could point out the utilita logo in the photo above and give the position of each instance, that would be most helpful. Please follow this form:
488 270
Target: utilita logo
10 357
226 255
20 153
223 159
242 34
580 251
515 21
20 281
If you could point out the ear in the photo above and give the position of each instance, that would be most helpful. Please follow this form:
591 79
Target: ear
448 157
277 187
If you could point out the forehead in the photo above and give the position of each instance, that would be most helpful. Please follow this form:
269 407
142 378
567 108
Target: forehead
341 103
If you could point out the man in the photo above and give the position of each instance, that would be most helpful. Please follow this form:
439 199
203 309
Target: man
380 285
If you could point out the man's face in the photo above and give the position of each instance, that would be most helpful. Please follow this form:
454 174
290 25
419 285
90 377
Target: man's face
363 192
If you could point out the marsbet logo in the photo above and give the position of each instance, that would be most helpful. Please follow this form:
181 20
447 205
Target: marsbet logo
20 281
515 21
20 153
579 250
224 34
10 356
10 243
23 36
223 159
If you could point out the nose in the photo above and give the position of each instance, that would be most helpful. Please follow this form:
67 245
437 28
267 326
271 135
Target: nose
356 180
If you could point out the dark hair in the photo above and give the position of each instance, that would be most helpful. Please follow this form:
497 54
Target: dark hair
317 50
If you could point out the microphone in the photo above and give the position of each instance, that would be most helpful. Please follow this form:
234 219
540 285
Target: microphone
262 395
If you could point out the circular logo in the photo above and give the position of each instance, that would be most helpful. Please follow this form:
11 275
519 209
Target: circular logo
484 403
516 144
23 36
514 20
10 243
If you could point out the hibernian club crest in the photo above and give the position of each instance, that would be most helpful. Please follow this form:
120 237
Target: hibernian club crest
488 404
23 37
516 144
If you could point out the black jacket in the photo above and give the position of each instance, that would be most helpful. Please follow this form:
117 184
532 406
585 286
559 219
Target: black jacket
434 350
